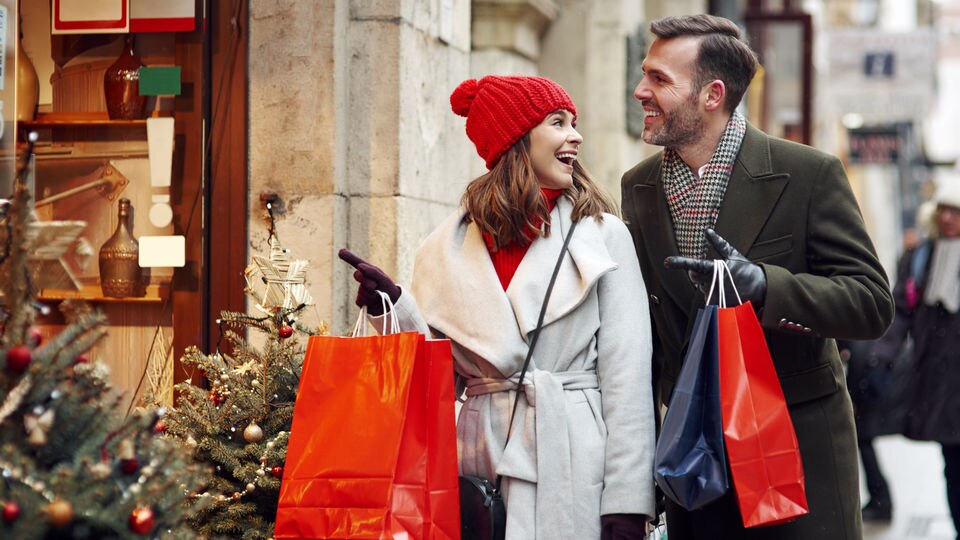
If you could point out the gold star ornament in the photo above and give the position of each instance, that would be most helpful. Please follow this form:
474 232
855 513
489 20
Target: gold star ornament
277 281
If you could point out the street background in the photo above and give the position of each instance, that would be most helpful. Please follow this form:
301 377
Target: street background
915 473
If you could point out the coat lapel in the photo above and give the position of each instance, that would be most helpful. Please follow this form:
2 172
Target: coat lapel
455 286
456 305
752 192
655 221
587 259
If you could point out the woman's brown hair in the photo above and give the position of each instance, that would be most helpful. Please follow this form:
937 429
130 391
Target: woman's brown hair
507 203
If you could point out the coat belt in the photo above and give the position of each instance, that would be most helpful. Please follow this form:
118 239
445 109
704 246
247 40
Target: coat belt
544 393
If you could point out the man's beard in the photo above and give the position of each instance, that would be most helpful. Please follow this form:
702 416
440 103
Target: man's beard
683 126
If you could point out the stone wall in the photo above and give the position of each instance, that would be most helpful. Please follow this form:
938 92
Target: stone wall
350 126
350 123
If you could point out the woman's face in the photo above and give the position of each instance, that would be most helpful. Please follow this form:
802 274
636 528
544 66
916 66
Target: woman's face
554 144
948 221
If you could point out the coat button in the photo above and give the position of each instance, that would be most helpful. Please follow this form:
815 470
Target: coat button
654 300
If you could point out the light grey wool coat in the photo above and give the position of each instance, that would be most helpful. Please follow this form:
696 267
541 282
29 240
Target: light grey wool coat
583 439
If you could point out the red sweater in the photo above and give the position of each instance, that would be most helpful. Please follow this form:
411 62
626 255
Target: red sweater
508 258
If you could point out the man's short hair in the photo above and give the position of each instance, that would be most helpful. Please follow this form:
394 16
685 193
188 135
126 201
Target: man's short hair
724 53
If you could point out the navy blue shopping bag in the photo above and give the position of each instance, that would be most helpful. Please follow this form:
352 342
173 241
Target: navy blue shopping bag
690 464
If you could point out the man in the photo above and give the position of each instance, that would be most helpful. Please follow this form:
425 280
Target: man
786 221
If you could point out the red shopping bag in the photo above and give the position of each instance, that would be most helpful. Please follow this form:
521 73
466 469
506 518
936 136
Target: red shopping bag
761 444
372 450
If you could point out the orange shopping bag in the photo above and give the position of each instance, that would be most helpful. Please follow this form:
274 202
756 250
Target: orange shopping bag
762 448
372 450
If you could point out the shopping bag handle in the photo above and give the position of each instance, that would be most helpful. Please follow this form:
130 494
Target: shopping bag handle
719 268
360 328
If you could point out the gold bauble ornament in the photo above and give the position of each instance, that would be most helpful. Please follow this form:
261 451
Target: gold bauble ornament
253 433
59 513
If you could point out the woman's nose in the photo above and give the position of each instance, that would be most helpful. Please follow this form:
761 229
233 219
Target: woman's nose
575 137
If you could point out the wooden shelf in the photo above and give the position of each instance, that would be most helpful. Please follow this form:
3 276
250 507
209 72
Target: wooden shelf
155 293
78 119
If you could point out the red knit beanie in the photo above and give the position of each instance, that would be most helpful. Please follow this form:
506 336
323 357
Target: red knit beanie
502 109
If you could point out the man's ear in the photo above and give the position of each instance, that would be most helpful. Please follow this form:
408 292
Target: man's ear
716 91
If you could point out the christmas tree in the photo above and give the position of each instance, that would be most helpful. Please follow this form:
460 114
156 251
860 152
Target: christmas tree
237 416
73 465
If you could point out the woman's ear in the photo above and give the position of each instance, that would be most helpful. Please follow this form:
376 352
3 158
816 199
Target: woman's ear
716 91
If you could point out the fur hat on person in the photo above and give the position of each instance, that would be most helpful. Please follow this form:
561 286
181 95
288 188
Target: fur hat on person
948 193
502 109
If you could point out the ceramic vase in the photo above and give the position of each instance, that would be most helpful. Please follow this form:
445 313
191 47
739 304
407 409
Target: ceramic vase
28 86
120 272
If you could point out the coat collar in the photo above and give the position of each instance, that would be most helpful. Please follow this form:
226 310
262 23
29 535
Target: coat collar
588 259
451 305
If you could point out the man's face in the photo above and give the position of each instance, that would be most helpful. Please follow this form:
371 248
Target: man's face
671 101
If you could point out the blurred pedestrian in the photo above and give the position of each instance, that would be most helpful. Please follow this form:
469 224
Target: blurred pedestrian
871 383
927 295
878 379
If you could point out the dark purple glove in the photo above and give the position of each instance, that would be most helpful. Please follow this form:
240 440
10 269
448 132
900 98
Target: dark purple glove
748 277
371 280
623 527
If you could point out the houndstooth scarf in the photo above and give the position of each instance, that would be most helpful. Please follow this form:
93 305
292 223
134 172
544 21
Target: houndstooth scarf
694 205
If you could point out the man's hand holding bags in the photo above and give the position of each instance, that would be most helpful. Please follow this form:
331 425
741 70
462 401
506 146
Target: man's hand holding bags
748 277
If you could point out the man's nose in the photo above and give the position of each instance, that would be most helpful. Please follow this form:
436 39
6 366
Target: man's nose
641 92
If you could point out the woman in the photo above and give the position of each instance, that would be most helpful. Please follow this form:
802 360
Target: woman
581 451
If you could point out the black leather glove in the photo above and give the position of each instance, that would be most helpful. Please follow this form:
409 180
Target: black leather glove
371 280
748 277
623 527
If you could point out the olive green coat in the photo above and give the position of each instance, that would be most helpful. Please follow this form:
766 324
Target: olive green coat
790 208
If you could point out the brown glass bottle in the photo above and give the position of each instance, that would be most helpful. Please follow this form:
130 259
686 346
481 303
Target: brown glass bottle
28 85
121 85
120 272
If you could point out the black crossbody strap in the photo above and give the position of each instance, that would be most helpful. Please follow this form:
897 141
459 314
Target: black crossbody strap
536 335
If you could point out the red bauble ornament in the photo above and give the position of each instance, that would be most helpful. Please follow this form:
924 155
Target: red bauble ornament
160 427
36 336
141 520
277 471
129 465
18 358
11 511
216 397
285 331
81 359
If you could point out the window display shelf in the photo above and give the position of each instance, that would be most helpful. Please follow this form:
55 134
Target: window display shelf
155 293
78 119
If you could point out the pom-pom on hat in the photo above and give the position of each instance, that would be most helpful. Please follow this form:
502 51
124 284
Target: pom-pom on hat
502 109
